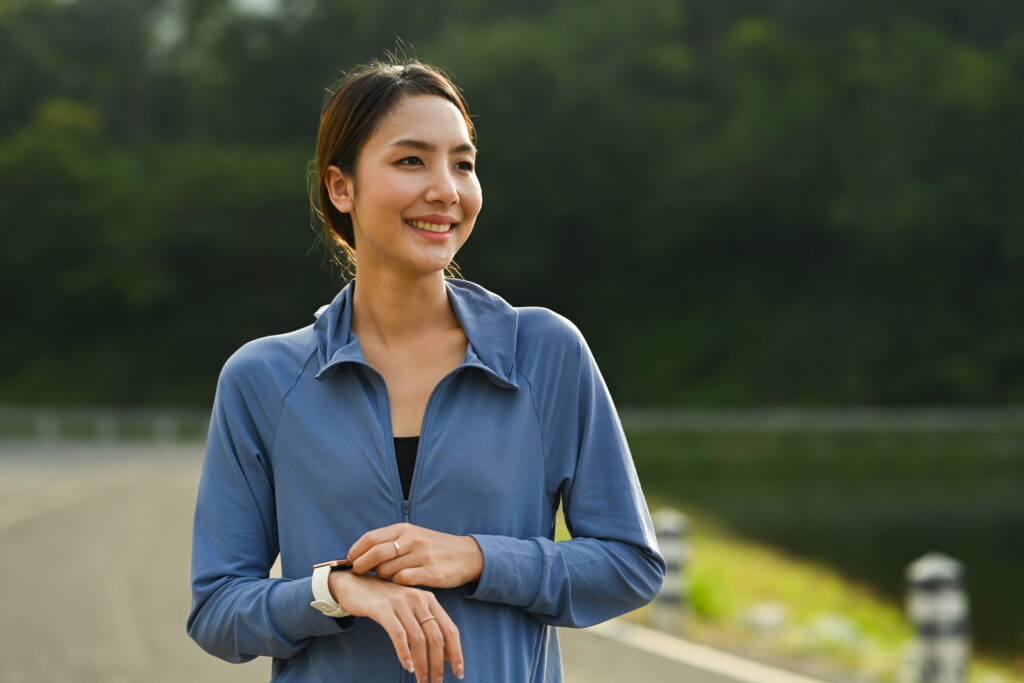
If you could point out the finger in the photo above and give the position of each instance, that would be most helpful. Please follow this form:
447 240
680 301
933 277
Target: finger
452 643
413 576
417 645
400 641
435 647
390 568
372 538
374 557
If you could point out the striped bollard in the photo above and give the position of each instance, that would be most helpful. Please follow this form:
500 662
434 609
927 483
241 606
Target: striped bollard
671 528
937 606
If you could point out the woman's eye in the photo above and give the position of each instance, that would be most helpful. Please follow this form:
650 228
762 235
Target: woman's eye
410 161
465 165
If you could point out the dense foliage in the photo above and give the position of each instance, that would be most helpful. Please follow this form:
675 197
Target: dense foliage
738 203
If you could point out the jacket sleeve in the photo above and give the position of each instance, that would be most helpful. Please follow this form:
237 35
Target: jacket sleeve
238 612
612 564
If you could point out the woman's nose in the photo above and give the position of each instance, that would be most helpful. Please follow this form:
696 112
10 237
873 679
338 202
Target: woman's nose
442 188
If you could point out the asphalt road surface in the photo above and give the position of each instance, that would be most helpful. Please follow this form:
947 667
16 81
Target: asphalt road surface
94 560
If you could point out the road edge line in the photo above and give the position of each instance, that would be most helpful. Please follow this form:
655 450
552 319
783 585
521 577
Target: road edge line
699 656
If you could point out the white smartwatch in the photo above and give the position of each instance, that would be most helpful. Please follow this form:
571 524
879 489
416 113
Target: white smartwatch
323 601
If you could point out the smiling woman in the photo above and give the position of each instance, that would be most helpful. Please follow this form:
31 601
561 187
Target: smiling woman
415 196
406 453
351 116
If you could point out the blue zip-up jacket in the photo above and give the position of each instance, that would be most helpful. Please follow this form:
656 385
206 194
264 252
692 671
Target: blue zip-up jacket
300 460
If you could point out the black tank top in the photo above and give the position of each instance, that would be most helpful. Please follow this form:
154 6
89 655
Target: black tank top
405 454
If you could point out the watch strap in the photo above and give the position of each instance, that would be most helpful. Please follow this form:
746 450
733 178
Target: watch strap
323 601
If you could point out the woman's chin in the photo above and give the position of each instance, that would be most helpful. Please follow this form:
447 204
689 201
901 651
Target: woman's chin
432 263
426 267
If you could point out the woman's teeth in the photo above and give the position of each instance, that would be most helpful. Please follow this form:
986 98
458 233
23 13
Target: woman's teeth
431 227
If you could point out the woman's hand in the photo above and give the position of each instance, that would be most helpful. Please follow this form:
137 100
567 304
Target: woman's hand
421 631
414 556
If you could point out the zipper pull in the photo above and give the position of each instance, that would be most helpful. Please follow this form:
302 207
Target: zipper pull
405 511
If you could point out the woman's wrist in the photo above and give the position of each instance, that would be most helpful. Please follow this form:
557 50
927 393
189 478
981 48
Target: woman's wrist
339 587
474 560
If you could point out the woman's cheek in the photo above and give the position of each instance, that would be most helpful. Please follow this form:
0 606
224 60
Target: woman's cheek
473 199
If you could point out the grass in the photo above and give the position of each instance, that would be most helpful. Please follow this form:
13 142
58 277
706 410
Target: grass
830 623
826 622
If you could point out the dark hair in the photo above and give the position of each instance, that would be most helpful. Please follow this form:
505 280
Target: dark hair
356 106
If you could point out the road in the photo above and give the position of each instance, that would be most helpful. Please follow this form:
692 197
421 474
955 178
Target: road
95 559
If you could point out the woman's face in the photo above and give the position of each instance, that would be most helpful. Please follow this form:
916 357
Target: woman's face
415 195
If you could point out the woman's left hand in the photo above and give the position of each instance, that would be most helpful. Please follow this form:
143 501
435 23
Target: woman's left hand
412 555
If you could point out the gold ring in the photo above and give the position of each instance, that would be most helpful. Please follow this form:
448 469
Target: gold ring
398 548
423 621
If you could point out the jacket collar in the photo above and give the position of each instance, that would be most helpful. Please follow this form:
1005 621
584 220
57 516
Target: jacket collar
490 323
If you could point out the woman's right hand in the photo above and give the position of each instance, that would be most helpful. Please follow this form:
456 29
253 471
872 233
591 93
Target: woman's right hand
421 631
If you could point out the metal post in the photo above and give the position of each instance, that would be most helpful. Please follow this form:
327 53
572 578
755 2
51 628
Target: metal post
671 527
937 606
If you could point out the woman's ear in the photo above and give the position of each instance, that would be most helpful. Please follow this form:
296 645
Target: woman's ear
340 188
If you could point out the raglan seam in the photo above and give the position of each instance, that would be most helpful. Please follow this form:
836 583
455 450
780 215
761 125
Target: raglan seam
284 399
536 415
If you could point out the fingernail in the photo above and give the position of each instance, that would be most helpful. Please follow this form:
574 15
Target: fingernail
438 679
409 667
458 671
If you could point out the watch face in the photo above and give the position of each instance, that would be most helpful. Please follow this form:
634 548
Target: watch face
334 564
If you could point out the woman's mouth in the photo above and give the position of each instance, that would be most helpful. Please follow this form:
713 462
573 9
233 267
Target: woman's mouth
431 227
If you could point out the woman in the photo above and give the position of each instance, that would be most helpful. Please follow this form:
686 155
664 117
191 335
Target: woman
415 441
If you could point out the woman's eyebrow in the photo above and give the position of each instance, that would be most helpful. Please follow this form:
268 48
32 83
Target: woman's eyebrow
428 147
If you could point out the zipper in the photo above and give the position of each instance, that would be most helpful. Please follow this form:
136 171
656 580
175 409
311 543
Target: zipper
389 433
389 438
417 468
389 444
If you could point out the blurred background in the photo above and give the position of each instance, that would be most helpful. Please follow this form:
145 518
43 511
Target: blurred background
791 231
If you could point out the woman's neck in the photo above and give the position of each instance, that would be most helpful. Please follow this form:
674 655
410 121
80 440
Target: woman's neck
394 307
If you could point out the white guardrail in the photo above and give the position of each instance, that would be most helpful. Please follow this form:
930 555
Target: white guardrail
102 425
112 425
925 419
